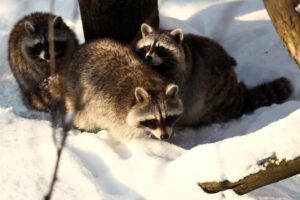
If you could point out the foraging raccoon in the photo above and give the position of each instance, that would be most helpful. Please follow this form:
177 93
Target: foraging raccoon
28 55
108 87
204 72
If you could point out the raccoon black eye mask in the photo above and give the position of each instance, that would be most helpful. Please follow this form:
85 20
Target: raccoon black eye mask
154 123
150 123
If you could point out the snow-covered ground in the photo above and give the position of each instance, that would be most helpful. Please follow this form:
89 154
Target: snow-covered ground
93 167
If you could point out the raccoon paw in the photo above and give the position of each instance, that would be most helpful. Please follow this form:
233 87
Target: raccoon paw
44 84
34 101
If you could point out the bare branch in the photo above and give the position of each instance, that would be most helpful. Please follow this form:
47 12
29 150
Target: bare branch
59 153
56 115
51 45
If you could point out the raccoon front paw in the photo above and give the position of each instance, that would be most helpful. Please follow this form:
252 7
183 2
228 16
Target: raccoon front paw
44 84
34 101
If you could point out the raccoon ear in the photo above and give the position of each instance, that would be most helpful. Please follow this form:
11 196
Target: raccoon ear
29 27
177 34
58 22
172 90
141 94
146 29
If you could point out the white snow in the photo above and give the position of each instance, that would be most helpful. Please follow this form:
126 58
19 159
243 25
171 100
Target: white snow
297 8
95 167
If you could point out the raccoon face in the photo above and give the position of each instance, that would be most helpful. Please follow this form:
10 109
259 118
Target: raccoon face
156 112
35 45
160 49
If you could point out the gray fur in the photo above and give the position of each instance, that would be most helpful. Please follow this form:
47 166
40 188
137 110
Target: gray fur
108 87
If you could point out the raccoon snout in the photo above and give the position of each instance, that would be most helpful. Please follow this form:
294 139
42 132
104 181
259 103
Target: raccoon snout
164 136
148 58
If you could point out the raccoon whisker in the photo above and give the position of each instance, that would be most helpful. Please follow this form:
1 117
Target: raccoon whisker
171 62
168 59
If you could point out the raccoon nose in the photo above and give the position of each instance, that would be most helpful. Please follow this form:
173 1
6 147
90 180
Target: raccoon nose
148 58
164 136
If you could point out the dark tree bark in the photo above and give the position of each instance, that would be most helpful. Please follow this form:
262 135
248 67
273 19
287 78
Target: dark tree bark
117 19
274 172
286 21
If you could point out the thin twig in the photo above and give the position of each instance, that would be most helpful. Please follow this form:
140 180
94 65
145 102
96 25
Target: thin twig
59 153
56 110
51 44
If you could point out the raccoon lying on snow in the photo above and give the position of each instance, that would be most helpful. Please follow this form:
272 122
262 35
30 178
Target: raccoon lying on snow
28 55
108 87
204 72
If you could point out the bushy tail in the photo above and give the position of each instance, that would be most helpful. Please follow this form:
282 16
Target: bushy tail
266 94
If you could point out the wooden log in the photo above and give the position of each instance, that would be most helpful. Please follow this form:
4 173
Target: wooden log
286 21
273 172
117 19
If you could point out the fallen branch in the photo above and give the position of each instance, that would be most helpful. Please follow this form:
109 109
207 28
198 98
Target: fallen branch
274 172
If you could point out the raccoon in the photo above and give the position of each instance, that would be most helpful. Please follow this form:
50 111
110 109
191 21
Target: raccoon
109 87
205 74
29 57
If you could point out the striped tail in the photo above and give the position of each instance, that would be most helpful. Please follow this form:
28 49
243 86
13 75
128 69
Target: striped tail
276 91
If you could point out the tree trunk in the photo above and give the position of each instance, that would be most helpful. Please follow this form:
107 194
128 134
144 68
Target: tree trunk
274 172
117 19
286 21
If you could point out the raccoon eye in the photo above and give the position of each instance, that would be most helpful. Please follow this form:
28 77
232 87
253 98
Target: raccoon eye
171 119
36 49
147 48
160 49
151 123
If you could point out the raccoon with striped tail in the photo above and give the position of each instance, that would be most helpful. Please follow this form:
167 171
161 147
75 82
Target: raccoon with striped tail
109 87
205 74
29 58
